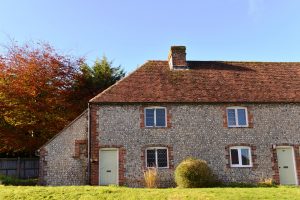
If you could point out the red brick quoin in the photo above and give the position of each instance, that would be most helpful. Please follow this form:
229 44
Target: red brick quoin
275 161
94 159
42 166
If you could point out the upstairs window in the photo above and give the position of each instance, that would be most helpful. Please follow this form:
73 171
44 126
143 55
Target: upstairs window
237 117
155 117
157 157
240 157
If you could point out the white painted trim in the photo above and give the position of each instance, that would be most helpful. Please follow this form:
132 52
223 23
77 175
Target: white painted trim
235 108
109 149
240 156
155 107
294 160
155 148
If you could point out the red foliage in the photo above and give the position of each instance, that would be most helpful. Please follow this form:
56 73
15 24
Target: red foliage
35 89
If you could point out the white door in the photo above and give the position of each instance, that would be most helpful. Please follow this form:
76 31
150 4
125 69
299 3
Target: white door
108 167
286 165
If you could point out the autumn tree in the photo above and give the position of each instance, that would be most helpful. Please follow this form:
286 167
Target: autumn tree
42 90
35 87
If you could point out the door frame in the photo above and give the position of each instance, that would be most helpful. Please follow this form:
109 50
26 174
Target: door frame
294 161
109 149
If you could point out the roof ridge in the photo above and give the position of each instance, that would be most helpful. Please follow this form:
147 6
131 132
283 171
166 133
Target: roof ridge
157 61
237 61
232 61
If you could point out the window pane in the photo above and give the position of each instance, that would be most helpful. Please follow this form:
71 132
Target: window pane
231 117
162 157
242 116
151 158
245 157
149 117
160 117
234 156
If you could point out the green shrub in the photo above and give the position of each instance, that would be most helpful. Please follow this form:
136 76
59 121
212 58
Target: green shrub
8 180
193 173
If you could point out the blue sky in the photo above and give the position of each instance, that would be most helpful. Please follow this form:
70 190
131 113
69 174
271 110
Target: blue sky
133 31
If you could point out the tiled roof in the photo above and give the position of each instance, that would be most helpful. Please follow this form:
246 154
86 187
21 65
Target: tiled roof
208 81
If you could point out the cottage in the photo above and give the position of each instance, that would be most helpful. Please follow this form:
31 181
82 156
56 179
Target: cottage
243 118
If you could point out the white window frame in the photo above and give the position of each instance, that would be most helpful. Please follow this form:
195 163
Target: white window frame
239 148
155 107
156 160
235 108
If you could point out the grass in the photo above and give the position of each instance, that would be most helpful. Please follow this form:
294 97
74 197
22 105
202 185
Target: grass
115 193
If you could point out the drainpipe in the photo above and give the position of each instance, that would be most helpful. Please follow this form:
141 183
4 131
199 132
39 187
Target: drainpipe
89 145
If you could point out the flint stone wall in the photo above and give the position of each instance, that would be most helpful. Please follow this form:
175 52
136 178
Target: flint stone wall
58 160
199 131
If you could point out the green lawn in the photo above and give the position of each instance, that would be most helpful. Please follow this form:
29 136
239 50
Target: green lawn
114 193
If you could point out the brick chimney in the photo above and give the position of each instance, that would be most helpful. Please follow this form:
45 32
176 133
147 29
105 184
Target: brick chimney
177 58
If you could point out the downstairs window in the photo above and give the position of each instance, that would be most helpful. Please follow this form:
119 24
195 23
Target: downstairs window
157 157
240 156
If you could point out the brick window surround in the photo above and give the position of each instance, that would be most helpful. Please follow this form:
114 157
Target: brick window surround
170 154
274 160
253 154
249 113
142 116
79 144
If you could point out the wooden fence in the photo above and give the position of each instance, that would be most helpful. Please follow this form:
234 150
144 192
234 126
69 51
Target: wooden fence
22 168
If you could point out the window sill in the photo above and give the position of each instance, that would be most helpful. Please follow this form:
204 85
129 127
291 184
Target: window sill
238 127
158 168
250 166
155 127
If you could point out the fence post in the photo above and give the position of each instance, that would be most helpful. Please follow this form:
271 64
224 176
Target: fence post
18 168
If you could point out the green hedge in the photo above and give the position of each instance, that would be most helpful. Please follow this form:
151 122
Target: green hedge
8 180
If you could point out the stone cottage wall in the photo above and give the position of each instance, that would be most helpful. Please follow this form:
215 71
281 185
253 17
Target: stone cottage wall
63 160
199 131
